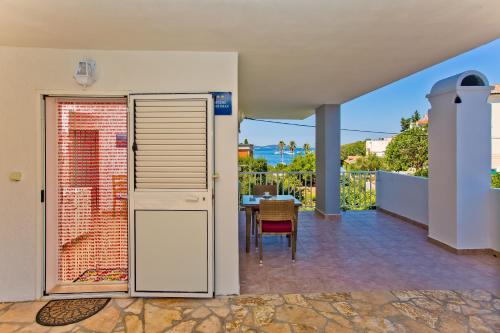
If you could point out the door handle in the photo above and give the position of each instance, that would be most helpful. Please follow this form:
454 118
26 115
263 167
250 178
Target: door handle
192 198
215 176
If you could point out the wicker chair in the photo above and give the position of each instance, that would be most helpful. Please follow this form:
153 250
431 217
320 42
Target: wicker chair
277 217
261 189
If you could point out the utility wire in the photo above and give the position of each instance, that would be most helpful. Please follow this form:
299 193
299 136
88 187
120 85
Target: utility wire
304 125
313 126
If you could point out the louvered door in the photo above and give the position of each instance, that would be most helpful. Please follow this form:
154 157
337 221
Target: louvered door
171 195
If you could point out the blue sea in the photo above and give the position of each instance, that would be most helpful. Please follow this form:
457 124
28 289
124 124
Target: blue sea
272 154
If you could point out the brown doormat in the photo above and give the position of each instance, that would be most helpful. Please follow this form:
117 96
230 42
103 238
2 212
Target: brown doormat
69 311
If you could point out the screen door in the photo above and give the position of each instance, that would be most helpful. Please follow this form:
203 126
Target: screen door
86 203
171 207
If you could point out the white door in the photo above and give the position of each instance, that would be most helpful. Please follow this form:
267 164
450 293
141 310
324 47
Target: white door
171 195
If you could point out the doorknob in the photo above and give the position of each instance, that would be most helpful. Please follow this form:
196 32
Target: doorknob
215 176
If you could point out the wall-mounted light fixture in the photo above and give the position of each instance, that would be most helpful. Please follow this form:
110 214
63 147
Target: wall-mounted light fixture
85 72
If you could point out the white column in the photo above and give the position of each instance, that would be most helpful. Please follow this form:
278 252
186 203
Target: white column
459 161
328 160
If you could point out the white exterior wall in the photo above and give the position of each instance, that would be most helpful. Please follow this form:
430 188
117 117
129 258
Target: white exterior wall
377 147
404 195
473 169
442 188
495 219
26 72
495 131
459 163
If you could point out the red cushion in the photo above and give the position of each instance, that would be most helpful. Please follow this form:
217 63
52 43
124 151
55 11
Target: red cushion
276 226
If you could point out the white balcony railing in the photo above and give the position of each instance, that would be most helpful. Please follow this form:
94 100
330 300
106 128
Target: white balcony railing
300 184
357 188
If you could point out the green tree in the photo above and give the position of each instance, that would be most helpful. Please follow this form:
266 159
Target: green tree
305 162
301 185
357 148
281 148
409 149
406 122
415 117
307 148
245 141
250 164
495 180
292 146
371 162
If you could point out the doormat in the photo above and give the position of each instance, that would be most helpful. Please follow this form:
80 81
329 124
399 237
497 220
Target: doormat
69 311
103 275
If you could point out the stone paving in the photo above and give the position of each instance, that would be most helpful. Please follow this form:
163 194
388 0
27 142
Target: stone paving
383 311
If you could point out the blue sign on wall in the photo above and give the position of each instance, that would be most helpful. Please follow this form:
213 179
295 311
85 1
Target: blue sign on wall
223 104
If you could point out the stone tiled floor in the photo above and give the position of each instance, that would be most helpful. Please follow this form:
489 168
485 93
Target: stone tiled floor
402 312
366 250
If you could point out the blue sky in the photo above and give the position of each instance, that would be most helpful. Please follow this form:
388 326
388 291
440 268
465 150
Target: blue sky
382 109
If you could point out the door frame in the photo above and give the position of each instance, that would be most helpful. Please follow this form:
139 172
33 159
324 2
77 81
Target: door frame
210 180
40 178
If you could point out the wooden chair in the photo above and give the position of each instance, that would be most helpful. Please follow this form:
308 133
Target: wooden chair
277 217
259 190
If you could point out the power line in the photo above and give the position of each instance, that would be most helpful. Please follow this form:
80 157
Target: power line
279 122
312 126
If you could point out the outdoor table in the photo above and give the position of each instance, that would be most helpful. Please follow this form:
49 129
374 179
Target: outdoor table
251 205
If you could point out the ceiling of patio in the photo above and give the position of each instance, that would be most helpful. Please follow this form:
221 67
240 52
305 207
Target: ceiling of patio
294 55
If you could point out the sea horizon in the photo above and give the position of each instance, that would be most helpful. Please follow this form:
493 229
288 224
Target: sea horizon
272 155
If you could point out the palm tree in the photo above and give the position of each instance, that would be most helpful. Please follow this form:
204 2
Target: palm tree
281 147
307 148
292 146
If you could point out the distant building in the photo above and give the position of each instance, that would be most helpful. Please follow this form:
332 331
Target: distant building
495 128
377 147
424 121
245 150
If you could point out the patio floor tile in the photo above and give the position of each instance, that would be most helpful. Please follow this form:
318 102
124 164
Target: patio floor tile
365 251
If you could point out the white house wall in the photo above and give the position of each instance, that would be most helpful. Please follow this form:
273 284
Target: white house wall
26 72
404 195
377 147
495 131
473 168
442 191
495 219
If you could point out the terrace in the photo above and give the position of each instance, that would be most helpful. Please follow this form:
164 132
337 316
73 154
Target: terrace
366 249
